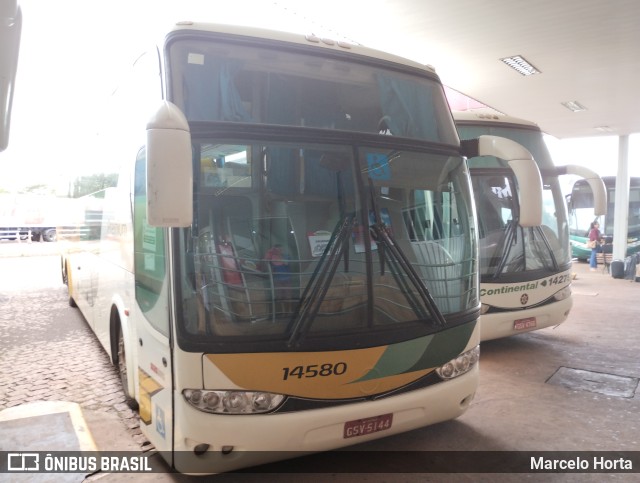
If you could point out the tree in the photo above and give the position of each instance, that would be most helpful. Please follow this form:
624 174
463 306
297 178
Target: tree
38 189
85 185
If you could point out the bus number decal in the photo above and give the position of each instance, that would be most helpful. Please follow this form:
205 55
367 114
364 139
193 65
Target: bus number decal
558 279
314 370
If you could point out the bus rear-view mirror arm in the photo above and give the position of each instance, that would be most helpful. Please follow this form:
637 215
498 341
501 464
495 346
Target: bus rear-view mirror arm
595 183
169 168
10 31
523 166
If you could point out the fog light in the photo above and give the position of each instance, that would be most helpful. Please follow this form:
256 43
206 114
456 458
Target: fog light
201 449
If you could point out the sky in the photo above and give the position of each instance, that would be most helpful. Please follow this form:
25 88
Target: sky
73 52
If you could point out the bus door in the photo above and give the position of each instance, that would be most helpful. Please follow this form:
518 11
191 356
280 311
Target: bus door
149 334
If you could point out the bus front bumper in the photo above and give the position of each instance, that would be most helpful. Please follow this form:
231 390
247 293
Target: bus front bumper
239 441
505 324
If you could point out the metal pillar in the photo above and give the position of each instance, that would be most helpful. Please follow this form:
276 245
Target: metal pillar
621 221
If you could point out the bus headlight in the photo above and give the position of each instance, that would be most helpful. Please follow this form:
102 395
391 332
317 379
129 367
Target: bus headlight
460 365
232 402
563 294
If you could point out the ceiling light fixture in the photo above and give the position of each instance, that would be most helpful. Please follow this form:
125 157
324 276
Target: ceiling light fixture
520 64
574 106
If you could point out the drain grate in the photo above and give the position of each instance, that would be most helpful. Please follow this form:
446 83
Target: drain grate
602 383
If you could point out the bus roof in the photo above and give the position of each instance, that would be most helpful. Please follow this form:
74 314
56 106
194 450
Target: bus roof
488 115
296 38
610 181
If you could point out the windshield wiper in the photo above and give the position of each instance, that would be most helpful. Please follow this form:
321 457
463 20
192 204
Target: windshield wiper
318 285
509 239
399 263
549 250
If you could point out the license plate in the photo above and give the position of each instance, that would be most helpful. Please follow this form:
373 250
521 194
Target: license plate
362 427
522 324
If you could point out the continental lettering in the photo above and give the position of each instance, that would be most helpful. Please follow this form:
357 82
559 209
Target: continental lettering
509 289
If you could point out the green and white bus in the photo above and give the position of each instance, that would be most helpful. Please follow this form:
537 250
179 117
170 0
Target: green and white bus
580 204
289 260
525 272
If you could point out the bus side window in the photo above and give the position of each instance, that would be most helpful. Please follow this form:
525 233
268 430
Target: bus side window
149 256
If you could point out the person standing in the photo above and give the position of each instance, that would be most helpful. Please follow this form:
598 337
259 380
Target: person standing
594 243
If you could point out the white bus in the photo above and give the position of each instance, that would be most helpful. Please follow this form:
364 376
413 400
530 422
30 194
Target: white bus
525 272
289 262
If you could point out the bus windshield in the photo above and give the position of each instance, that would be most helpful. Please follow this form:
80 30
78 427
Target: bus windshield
229 81
296 243
505 247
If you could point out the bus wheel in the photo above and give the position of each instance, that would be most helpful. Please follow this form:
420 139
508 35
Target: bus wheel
65 279
49 235
122 369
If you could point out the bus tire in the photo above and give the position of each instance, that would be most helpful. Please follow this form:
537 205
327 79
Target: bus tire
120 361
63 273
49 235
65 280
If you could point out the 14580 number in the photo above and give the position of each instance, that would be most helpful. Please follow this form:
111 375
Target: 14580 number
314 370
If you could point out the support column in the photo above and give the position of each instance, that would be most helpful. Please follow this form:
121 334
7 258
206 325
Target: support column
621 220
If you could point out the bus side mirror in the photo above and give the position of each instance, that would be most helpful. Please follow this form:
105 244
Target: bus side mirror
169 168
595 183
524 167
10 29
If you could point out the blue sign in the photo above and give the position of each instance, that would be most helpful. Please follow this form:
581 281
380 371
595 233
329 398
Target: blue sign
378 165
160 427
